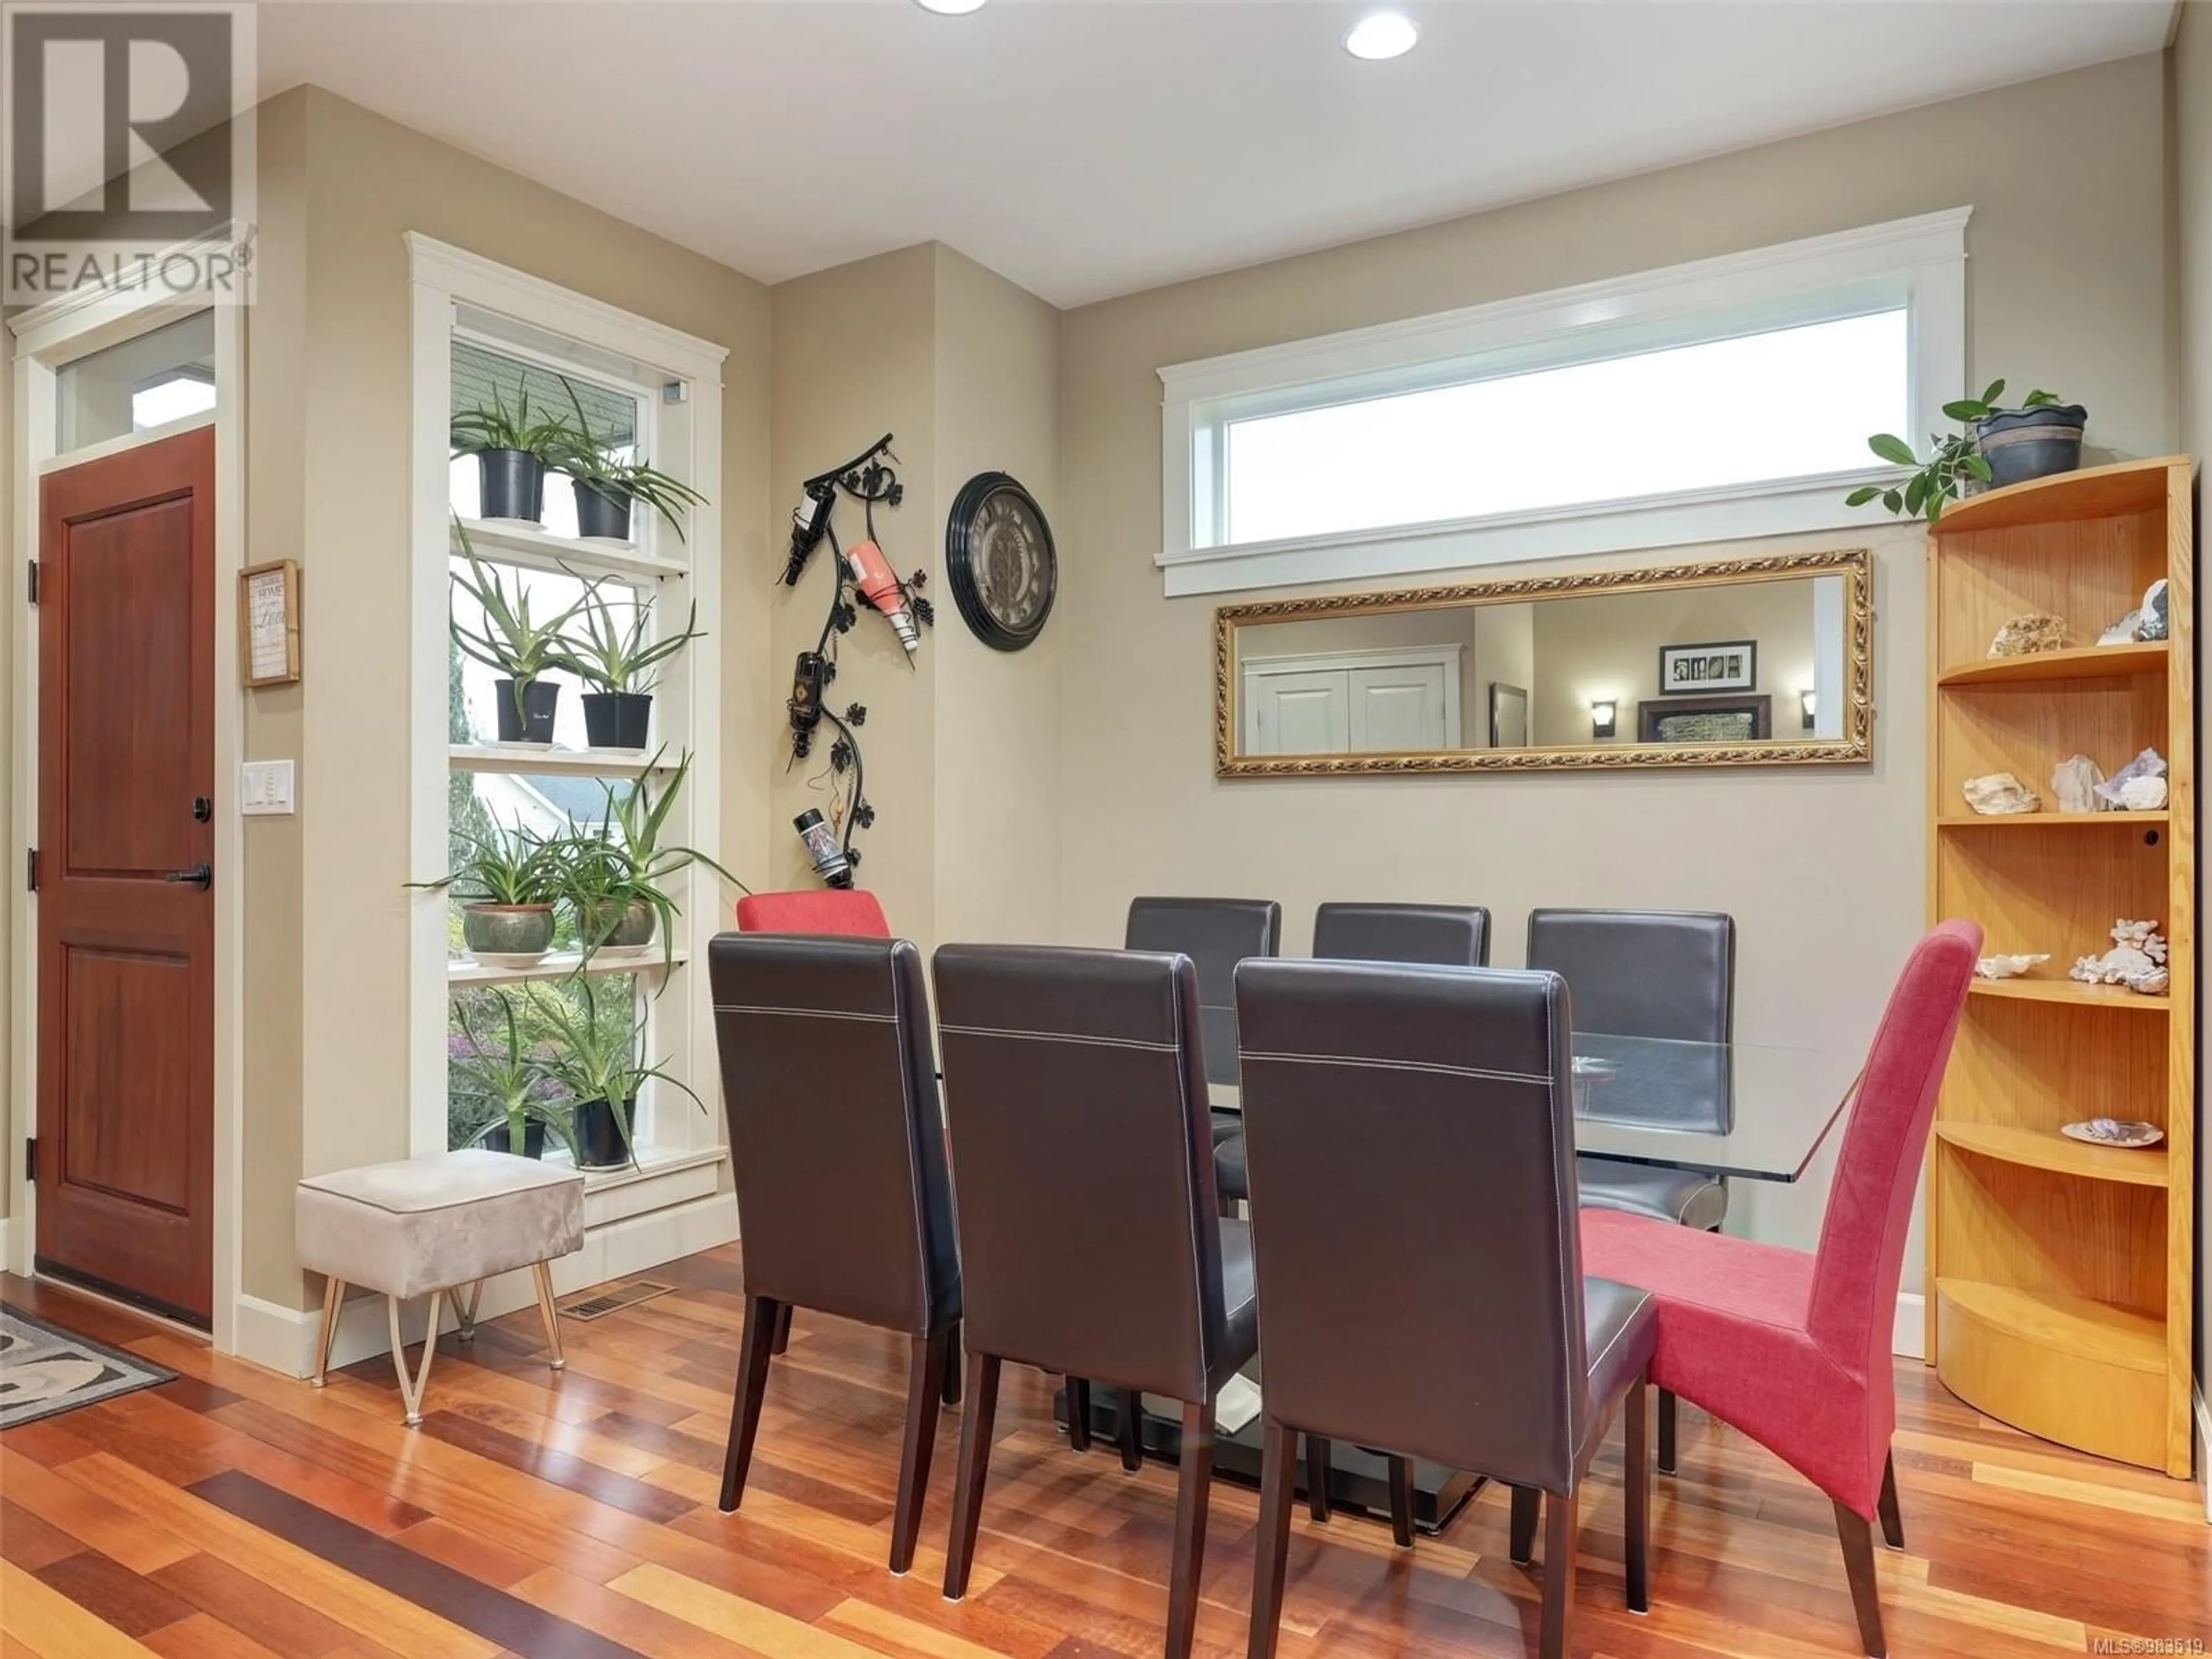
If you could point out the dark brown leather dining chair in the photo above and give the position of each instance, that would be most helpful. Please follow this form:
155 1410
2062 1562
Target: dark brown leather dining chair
1089 1239
1413 1128
1665 974
1216 934
838 1145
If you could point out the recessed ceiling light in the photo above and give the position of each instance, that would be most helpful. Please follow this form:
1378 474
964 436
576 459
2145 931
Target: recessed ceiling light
951 8
1378 35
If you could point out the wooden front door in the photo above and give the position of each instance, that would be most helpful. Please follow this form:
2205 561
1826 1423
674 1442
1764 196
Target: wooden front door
125 919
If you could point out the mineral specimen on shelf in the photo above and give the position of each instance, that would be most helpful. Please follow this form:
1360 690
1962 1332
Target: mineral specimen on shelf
2008 967
2146 621
2075 783
2138 953
2024 636
2152 984
1999 795
2150 764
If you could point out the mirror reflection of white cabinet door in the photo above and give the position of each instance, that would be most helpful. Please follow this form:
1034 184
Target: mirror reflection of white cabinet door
1352 703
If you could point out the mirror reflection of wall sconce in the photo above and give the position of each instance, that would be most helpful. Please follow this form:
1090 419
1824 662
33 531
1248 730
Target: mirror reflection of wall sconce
1806 702
1601 718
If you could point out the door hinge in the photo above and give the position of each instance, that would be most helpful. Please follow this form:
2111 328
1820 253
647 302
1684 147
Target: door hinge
30 1158
35 582
30 869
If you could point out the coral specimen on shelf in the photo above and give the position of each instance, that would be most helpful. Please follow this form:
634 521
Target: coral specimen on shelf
2138 953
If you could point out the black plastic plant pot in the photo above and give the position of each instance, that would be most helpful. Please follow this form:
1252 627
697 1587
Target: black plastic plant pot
599 1142
512 484
2021 444
618 719
495 1138
532 722
601 512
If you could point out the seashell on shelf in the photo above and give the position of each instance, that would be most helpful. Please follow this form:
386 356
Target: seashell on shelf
2074 783
2008 967
1999 794
2026 636
2152 984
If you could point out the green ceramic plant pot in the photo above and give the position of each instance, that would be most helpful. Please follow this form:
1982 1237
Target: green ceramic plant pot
507 930
631 930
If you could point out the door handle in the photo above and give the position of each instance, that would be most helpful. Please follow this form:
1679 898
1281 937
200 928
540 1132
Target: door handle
200 876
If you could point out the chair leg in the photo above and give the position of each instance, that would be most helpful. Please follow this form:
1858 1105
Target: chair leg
1636 1521
1402 1502
1277 1475
1892 1523
1858 1565
464 1310
783 1327
1079 1414
954 1363
754 1352
974 1464
1560 1534
333 1299
1666 1431
1316 1477
925 1387
550 1313
1129 1429
1194 1486
1521 1548
410 1390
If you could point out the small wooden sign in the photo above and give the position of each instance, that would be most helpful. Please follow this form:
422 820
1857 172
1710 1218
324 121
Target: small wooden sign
269 622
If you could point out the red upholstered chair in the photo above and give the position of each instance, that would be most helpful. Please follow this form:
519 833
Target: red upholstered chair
1794 1349
814 910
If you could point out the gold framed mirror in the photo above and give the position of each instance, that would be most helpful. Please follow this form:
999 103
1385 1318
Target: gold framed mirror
1737 662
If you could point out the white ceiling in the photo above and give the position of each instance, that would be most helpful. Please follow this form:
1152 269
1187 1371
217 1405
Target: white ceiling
1090 148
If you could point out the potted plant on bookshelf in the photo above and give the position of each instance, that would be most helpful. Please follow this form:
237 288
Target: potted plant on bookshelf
516 646
607 485
599 1058
619 661
2003 446
513 447
508 885
509 1084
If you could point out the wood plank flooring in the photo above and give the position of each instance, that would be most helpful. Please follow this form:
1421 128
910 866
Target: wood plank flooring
547 1516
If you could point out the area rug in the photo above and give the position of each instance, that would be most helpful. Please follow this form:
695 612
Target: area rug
44 1369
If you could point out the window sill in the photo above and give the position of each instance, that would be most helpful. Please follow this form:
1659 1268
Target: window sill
661 1178
1734 513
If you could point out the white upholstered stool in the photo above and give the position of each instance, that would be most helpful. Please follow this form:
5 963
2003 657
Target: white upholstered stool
431 1225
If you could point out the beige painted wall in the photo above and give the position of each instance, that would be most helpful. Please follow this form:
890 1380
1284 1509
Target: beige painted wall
328 454
2068 277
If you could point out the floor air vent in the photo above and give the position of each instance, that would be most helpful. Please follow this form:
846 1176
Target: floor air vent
622 1295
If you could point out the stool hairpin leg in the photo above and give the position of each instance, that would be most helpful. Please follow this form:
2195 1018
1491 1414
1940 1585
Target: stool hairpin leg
544 1276
333 1298
410 1391
464 1310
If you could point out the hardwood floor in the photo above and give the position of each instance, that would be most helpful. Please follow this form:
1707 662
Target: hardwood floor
572 1516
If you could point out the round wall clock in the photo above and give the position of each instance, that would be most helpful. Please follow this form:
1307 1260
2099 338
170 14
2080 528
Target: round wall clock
999 558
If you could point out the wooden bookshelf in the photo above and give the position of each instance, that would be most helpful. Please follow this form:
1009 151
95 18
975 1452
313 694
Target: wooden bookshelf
2061 1293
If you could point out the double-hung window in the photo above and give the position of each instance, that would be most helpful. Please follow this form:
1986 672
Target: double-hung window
1727 398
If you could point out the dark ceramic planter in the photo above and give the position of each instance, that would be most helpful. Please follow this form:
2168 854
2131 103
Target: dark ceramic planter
618 719
2022 443
507 930
599 1143
534 721
494 1138
601 512
512 484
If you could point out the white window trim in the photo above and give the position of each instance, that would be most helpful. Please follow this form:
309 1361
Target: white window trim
448 282
1920 262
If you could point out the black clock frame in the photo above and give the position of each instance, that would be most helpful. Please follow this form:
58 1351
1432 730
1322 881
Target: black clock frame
959 565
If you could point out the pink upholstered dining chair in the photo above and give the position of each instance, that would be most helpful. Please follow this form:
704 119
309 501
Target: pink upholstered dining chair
1794 1349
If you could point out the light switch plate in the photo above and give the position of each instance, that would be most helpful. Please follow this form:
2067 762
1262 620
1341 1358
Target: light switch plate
265 788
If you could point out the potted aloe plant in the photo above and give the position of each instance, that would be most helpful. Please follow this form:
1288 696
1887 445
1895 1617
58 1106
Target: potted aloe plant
600 1060
512 448
638 820
508 886
607 487
507 1083
516 646
618 661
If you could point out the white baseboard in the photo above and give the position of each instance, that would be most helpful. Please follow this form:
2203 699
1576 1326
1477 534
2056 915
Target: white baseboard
2204 1448
1908 1337
9 1225
283 1339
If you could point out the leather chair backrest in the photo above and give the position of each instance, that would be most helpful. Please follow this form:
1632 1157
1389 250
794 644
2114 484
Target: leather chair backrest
1081 1126
853 912
1409 1135
836 1136
1216 934
1449 935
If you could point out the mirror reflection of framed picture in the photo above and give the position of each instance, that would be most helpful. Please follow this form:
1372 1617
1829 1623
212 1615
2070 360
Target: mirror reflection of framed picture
1509 716
1701 670
1723 719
